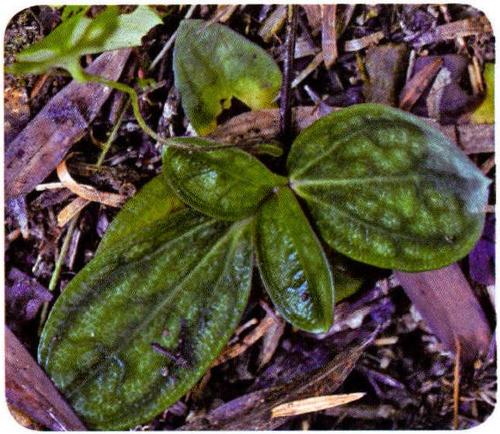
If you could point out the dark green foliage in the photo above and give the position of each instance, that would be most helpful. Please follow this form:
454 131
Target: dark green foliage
142 322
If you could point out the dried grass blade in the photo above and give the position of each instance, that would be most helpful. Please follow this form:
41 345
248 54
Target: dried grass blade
329 34
71 210
310 405
365 41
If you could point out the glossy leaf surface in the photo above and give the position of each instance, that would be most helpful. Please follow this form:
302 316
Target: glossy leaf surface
292 264
154 201
387 189
143 321
212 64
227 184
79 35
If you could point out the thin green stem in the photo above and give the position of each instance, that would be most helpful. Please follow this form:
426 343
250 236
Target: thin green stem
113 134
58 267
134 100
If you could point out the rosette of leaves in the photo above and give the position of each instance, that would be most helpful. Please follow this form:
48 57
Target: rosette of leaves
142 322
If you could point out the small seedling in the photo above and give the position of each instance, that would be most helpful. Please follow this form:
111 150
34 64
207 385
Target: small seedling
374 183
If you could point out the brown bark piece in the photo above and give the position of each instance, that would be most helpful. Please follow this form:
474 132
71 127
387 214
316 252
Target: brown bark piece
418 84
254 409
263 125
447 303
64 120
30 391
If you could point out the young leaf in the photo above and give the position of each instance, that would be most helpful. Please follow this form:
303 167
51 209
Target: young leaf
79 35
292 264
212 64
387 189
144 320
155 201
228 184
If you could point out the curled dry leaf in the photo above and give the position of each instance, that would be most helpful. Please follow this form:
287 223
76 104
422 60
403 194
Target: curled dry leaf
86 191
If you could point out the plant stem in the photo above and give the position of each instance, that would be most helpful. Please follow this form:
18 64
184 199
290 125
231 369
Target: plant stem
134 100
57 268
113 134
285 100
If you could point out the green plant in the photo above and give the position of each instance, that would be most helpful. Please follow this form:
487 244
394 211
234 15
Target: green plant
142 322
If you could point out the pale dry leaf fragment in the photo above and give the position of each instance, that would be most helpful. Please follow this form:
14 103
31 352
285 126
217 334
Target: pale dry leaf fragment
308 69
240 347
86 191
273 23
310 405
365 41
329 34
433 101
71 210
224 13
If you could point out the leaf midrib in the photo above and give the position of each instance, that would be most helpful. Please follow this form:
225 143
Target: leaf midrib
357 180
98 367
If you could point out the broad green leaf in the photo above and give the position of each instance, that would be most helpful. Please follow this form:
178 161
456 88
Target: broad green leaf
212 64
228 184
387 189
79 35
485 113
292 264
180 285
155 201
